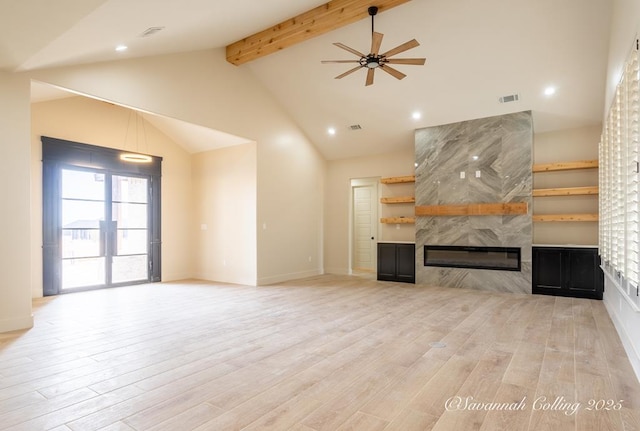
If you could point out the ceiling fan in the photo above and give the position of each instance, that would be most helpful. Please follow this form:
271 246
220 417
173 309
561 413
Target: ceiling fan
374 60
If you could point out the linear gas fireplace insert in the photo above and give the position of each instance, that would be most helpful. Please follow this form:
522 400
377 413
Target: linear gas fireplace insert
454 256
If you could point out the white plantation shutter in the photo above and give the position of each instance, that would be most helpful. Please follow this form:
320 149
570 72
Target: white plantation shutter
631 133
605 195
619 179
602 183
617 195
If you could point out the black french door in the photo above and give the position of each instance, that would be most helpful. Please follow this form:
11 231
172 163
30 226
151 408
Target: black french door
100 219
104 228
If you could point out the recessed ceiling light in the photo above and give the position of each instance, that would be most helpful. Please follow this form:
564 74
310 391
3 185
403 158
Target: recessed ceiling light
331 131
550 91
121 48
416 115
475 157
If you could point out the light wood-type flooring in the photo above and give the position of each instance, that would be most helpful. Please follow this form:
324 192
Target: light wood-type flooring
325 353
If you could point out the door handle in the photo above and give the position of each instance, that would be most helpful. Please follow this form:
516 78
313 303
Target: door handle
114 238
103 238
372 238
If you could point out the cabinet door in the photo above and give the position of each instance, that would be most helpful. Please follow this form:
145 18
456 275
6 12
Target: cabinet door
547 269
406 263
566 271
583 272
387 262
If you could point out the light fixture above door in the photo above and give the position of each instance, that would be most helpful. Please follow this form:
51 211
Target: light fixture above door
135 157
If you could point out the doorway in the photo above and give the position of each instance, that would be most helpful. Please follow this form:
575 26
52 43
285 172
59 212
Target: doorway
364 224
100 219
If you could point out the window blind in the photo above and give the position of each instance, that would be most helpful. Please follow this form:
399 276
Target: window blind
631 145
619 179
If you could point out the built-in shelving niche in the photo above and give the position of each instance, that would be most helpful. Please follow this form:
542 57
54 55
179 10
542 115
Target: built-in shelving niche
392 200
566 191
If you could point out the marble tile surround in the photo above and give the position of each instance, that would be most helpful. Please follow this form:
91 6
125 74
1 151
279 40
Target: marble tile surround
501 149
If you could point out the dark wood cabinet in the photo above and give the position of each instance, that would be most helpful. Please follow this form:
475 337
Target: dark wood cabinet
567 271
397 262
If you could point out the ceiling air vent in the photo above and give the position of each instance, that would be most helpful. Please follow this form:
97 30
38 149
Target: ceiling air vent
355 127
509 98
151 31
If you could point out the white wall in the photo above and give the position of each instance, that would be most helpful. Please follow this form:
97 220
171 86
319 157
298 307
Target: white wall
15 302
103 124
338 196
199 87
202 88
624 27
224 215
291 178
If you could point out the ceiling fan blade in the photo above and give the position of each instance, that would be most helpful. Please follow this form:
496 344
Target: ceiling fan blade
348 72
393 72
417 61
369 80
401 48
376 41
351 50
339 61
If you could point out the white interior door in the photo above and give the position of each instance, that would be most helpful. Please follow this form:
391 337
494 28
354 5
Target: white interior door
365 225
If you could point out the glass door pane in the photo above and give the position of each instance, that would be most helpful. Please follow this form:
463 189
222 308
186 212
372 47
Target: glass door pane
83 214
130 213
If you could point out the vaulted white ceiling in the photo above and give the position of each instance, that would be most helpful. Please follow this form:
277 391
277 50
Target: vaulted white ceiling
477 51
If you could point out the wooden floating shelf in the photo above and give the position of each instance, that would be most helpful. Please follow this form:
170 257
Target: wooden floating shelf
398 180
473 209
398 220
567 191
398 200
565 217
565 166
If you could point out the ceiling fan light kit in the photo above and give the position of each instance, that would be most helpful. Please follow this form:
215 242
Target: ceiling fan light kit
374 60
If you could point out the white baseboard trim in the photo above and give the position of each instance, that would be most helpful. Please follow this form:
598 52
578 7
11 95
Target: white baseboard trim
16 323
337 271
263 281
214 279
176 277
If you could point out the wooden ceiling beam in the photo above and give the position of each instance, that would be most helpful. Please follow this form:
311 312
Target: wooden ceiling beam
314 22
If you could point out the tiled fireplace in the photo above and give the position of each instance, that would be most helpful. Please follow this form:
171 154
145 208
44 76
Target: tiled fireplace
480 161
